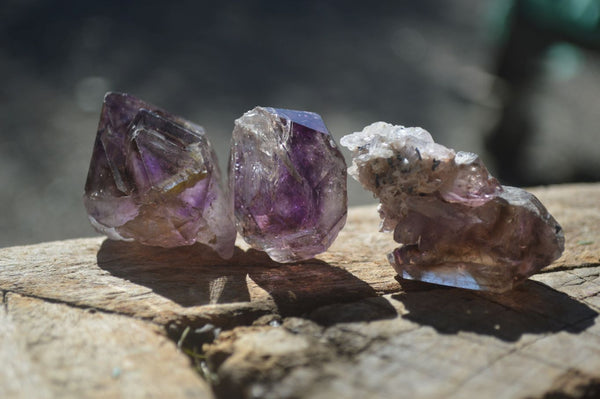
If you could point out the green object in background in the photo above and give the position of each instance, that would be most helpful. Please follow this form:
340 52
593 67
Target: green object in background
571 14
563 61
578 19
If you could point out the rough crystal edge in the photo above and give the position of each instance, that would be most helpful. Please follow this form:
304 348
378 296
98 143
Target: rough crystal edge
289 254
459 275
110 232
418 163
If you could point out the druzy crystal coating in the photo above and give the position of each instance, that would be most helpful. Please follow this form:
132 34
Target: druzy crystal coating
457 225
288 181
154 178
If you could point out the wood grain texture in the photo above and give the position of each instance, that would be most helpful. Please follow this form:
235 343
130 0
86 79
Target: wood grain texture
78 312
51 350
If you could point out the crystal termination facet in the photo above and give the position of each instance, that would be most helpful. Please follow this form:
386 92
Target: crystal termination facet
457 225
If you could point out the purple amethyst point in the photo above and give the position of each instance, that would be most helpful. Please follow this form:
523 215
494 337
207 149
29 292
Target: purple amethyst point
154 178
288 181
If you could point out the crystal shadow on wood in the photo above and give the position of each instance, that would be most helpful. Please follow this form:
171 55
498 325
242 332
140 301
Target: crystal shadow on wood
155 178
195 276
531 308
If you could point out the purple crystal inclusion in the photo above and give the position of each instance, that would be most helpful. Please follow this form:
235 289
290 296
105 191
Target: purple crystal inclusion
288 181
154 178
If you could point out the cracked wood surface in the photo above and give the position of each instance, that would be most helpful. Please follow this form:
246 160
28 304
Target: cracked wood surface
92 318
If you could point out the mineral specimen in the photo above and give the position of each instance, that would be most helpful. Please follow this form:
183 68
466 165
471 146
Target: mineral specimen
457 225
154 178
288 181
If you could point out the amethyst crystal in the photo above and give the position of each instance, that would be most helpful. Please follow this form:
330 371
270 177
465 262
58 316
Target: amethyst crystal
288 181
154 178
458 226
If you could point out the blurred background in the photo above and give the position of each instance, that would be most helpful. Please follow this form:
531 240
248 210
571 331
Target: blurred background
516 81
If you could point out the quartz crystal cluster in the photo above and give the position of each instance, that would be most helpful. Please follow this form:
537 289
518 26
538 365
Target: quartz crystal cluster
154 178
288 182
457 225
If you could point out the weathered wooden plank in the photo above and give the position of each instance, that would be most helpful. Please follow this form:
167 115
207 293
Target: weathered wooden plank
77 310
424 343
577 208
192 284
170 285
51 350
